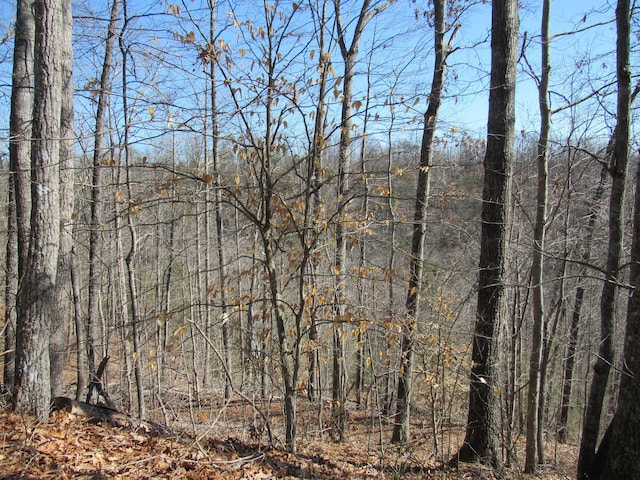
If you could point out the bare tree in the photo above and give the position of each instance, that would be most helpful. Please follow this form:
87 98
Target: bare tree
316 149
37 292
62 311
586 248
19 167
414 290
282 186
95 234
534 451
483 423
588 464
349 52
217 202
131 257
618 452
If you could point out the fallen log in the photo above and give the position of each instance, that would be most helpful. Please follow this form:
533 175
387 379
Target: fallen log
107 414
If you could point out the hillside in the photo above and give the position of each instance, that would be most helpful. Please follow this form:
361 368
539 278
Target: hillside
70 447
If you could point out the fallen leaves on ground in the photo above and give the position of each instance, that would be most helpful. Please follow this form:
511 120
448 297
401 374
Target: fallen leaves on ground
68 447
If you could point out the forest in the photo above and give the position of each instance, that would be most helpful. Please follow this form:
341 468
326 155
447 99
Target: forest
319 239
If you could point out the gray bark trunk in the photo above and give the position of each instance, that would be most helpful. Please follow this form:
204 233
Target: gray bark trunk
483 424
95 235
315 159
412 306
121 297
131 256
537 297
11 290
60 315
222 262
81 337
19 166
36 297
622 460
349 55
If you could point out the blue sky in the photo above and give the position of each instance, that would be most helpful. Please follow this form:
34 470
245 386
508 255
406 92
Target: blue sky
405 63
566 51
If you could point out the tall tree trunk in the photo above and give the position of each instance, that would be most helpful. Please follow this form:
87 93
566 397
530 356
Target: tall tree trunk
617 456
349 56
618 452
217 205
288 342
36 296
203 227
602 366
338 380
513 414
587 461
362 278
11 288
81 334
390 373
134 301
19 168
412 306
131 256
315 164
62 312
537 267
289 347
483 424
120 299
202 274
95 234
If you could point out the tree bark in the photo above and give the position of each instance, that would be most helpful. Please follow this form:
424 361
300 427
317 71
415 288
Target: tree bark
95 234
81 337
618 171
314 166
11 288
217 205
537 296
483 424
19 179
132 255
617 456
349 56
36 296
412 306
62 311
121 298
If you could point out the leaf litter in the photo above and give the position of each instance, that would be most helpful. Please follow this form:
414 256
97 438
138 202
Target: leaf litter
72 448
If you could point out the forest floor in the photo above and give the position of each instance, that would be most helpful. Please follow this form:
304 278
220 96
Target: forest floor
69 447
